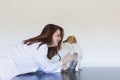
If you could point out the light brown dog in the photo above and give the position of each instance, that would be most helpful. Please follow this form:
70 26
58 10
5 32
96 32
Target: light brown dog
70 45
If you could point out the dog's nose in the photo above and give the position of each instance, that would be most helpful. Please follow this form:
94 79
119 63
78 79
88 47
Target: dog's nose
75 53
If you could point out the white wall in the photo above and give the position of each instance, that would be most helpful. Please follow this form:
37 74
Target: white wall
95 23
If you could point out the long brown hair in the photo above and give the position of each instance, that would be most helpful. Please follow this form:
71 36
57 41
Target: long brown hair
45 37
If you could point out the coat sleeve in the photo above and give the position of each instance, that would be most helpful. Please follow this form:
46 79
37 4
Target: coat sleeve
40 57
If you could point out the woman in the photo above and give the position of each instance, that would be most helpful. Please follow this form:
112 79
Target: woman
35 53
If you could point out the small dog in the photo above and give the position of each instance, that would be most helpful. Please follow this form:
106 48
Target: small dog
70 46
72 49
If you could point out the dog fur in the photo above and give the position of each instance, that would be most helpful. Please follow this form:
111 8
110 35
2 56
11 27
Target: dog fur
71 48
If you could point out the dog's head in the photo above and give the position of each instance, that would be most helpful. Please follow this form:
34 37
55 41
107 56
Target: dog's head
70 40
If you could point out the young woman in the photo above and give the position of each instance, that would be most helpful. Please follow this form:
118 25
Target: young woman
34 53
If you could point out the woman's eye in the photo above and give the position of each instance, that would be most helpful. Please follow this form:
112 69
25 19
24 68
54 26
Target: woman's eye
58 35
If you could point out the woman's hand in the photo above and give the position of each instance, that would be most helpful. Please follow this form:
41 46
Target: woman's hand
68 58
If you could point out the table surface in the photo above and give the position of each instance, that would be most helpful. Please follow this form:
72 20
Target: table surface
87 73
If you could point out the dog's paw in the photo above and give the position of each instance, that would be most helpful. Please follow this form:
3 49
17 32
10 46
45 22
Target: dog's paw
76 69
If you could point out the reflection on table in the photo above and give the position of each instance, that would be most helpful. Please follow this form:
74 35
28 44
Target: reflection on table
39 76
87 73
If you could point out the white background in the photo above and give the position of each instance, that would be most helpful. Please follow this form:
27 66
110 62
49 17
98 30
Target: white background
95 23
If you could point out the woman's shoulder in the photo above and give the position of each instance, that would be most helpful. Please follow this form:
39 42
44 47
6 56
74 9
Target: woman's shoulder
36 46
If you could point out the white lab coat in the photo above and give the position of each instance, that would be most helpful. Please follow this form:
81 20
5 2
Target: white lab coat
23 59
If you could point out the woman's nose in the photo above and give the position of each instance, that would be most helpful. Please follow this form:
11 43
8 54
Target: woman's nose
59 38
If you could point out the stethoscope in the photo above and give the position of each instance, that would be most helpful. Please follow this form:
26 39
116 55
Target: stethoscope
59 56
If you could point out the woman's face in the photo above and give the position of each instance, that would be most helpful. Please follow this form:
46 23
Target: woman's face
56 38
